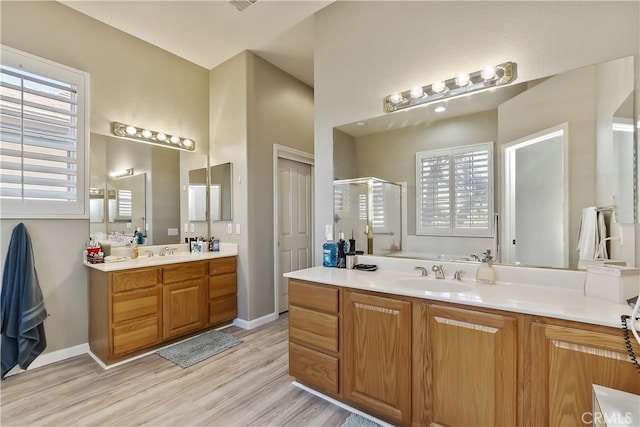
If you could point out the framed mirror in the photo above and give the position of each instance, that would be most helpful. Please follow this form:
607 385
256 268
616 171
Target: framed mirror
218 194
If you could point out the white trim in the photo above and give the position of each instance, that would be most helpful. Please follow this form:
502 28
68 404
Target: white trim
280 151
52 357
252 324
340 404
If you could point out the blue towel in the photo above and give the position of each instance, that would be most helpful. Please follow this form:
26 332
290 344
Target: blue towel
22 310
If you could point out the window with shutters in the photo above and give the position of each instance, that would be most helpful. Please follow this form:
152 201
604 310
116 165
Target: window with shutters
43 138
454 191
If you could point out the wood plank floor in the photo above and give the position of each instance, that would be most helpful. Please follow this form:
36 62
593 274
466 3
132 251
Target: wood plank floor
247 385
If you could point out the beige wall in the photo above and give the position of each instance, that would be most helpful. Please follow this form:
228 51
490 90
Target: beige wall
356 66
130 81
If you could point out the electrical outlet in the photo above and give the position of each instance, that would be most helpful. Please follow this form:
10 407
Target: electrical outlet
237 228
230 228
186 227
328 231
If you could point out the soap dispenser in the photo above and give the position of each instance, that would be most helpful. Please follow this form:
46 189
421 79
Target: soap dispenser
485 272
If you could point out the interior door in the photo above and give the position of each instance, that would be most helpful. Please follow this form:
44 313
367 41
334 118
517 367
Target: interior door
294 222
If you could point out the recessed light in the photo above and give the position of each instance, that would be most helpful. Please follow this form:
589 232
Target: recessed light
440 109
360 124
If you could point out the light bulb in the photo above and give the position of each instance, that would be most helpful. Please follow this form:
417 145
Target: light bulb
175 139
187 143
395 98
147 133
161 136
416 92
131 130
438 86
462 79
488 72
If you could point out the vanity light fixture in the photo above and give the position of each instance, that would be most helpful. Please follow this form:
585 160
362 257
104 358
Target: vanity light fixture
121 174
488 77
152 137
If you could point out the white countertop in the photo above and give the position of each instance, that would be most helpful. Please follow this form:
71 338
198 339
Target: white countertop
558 301
226 250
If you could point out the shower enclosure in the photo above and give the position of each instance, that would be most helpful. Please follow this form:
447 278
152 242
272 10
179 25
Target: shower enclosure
369 209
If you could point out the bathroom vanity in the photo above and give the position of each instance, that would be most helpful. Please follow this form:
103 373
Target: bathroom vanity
504 354
138 305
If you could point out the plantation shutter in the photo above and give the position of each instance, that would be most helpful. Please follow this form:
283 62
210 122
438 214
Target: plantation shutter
454 191
41 139
434 193
471 183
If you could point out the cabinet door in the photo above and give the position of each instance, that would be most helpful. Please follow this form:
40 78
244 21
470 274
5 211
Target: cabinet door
466 367
377 351
565 362
184 307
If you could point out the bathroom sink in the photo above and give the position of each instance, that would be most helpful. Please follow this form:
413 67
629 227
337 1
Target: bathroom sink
432 285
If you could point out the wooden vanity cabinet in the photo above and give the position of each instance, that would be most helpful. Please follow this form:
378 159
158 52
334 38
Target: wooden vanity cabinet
567 358
136 310
377 354
465 366
314 340
222 290
184 298
125 311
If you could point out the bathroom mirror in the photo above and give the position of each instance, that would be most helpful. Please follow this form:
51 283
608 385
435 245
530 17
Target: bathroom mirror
219 194
165 172
386 147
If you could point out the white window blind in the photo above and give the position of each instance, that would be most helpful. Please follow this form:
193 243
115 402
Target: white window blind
42 138
454 189
125 204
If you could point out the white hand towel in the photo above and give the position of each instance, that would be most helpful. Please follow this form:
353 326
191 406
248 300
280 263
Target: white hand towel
588 237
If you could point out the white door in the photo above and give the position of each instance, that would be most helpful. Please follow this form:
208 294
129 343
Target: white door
535 198
294 223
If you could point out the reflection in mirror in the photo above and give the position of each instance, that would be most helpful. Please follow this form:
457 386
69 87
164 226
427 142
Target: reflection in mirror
220 192
623 133
586 100
126 204
198 195
96 205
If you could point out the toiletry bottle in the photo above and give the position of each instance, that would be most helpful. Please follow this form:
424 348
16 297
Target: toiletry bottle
342 256
134 250
330 253
352 244
485 272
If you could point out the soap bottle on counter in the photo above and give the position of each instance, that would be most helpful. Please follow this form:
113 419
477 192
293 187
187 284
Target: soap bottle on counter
485 272
342 255
134 251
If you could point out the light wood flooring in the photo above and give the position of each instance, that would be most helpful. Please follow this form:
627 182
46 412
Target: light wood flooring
247 385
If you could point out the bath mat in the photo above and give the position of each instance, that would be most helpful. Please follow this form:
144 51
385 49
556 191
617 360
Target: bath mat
356 420
197 349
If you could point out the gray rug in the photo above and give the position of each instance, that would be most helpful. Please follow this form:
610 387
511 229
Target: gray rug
356 420
197 349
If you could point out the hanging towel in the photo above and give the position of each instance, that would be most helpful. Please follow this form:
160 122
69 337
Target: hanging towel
602 236
588 235
22 310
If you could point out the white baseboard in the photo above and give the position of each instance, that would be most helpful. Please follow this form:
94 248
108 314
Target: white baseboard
53 357
341 404
251 324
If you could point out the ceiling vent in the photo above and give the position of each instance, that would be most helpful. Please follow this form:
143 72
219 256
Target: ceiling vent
242 4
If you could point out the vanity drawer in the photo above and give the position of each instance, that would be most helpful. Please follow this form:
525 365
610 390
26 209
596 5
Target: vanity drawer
322 298
135 335
130 305
222 285
314 368
135 279
223 309
313 328
222 266
184 271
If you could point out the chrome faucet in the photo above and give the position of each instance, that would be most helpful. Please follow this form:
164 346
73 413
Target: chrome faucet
423 271
458 275
439 271
475 257
164 251
149 253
